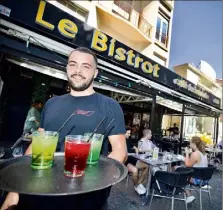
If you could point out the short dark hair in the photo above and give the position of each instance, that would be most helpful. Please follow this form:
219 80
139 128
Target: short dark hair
37 101
87 51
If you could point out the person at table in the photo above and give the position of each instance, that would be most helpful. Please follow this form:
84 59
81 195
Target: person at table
174 136
220 143
197 158
219 154
89 109
134 166
32 122
174 129
145 144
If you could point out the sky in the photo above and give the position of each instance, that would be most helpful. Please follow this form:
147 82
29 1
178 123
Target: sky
197 34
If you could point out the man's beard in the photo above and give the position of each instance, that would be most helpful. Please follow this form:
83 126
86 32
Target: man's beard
81 87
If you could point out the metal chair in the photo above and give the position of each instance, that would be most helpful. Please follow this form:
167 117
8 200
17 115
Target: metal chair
171 184
204 174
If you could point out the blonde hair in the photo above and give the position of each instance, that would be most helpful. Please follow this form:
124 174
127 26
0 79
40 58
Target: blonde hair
199 143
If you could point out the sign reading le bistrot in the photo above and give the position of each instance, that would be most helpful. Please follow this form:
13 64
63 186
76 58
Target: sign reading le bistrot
43 18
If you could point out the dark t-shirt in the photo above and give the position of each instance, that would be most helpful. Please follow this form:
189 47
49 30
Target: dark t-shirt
129 145
175 130
88 112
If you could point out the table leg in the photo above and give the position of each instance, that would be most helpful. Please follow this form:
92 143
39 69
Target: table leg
169 169
146 197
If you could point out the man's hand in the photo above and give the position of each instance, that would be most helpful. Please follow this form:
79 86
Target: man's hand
136 150
29 149
11 201
41 130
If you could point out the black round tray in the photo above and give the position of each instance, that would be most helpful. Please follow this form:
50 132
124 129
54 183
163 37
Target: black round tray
16 175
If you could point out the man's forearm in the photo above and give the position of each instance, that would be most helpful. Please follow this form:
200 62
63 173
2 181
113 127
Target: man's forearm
11 200
119 156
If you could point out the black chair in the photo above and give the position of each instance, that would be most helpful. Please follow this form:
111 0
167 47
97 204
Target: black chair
204 174
171 184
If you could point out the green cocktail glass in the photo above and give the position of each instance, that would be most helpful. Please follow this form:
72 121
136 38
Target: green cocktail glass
96 144
44 145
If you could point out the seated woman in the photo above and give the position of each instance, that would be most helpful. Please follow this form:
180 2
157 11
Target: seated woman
134 166
197 158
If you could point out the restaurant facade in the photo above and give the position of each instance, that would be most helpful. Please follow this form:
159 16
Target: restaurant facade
35 40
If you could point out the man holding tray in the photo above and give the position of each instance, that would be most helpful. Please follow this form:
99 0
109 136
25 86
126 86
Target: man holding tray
88 108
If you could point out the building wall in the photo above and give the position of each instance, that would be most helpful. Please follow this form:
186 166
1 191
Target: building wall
197 77
149 11
186 72
219 93
181 70
194 75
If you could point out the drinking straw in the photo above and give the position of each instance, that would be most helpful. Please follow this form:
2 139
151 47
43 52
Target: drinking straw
95 130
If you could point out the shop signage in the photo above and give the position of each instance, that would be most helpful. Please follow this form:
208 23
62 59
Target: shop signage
48 20
100 42
184 84
65 26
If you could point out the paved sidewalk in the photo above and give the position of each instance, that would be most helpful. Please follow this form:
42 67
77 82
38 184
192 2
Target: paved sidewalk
122 200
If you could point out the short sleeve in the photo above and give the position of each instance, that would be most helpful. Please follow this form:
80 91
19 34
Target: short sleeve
44 111
140 145
32 115
118 124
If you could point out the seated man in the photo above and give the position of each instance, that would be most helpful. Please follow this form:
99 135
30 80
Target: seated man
146 145
134 166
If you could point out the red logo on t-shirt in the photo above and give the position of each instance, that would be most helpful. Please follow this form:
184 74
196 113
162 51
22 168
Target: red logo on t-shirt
84 113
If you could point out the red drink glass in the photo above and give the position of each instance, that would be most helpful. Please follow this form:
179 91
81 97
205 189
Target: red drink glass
76 153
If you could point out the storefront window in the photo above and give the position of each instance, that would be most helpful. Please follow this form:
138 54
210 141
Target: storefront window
190 126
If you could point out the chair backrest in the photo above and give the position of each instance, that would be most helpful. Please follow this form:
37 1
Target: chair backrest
184 176
203 173
175 179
